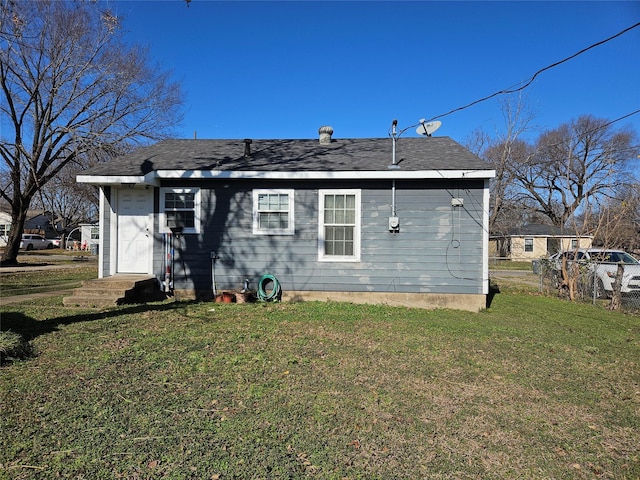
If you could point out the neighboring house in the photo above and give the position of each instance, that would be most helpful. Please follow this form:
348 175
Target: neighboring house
89 233
83 237
337 219
40 224
36 223
5 226
535 241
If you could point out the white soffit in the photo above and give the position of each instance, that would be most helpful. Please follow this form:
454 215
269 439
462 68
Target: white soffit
324 175
153 178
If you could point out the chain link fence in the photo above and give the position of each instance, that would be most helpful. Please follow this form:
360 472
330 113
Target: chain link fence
616 286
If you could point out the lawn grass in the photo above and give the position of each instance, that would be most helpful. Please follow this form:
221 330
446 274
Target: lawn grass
12 346
509 265
533 387
21 283
52 256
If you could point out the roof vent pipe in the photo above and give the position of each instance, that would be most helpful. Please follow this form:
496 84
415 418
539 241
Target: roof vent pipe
325 134
247 147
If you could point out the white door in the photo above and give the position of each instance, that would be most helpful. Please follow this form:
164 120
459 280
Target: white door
134 230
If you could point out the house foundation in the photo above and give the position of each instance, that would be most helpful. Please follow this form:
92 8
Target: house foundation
468 302
428 301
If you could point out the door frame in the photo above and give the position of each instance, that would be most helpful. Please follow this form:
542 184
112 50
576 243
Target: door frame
114 233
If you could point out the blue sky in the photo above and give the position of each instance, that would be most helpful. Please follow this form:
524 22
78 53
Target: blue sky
267 69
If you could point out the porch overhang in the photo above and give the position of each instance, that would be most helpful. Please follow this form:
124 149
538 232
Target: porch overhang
150 179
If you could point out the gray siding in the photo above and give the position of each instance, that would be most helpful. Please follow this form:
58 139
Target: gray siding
438 249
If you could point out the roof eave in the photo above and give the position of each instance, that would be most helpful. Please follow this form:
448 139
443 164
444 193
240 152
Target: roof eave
123 180
327 175
153 178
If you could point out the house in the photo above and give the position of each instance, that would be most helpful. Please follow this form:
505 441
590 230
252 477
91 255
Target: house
535 241
5 226
382 220
42 223
38 223
89 235
83 237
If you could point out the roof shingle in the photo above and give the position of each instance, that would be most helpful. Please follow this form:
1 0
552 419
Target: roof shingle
362 154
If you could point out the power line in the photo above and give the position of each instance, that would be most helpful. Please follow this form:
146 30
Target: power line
601 127
620 118
533 77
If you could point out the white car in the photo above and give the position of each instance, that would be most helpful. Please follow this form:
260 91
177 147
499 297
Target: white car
35 242
604 264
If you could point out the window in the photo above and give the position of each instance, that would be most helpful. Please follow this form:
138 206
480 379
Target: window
180 207
574 243
273 212
95 233
528 244
339 225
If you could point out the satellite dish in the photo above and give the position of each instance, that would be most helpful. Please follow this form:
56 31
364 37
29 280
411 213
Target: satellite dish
427 128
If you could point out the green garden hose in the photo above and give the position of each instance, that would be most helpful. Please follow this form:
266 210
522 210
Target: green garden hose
274 294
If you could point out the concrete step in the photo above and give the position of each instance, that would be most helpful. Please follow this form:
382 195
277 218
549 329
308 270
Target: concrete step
115 290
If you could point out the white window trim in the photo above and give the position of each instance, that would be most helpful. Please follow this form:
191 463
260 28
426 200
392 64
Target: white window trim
357 227
196 209
273 231
533 245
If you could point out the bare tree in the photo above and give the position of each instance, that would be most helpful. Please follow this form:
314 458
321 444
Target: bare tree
72 92
578 164
573 176
616 224
578 177
67 202
503 152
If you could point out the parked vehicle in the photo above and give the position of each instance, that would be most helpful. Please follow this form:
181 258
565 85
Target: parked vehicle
603 263
56 242
35 242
